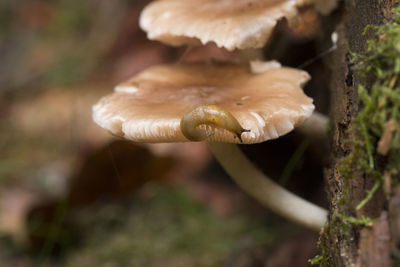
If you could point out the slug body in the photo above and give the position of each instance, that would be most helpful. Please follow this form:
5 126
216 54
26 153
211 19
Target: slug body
209 115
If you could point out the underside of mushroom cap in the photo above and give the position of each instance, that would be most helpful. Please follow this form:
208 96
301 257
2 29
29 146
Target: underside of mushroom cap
149 106
232 24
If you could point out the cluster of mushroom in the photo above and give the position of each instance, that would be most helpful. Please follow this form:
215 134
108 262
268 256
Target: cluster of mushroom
221 103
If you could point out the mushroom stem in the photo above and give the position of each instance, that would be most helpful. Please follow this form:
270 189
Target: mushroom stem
247 55
316 127
266 191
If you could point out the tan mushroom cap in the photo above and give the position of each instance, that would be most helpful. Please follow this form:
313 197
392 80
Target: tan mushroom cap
269 101
233 24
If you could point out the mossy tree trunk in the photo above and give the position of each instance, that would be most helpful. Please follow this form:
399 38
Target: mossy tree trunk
343 243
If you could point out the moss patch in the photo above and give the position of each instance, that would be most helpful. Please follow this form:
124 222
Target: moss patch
319 260
380 105
374 136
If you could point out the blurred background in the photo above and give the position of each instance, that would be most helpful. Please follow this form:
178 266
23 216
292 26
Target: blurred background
73 195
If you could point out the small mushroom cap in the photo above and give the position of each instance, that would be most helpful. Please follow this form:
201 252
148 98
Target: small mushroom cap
232 24
149 106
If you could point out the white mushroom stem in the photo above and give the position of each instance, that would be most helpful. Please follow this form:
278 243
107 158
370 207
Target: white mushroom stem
266 191
316 127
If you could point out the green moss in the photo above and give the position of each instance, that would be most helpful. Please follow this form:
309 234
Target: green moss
364 221
379 94
319 260
379 104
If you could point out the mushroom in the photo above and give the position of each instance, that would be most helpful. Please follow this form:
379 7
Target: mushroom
232 24
223 104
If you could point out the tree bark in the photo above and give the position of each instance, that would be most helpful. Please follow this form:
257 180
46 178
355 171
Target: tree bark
349 244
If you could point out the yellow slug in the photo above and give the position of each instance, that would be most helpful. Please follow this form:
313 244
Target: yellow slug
210 115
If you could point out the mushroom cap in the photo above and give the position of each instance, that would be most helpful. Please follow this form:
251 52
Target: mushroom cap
232 24
266 99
